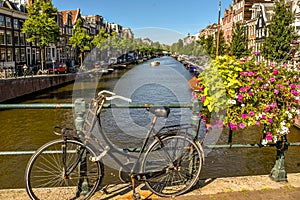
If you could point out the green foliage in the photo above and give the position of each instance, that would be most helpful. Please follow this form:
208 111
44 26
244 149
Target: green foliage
280 34
100 40
240 94
223 47
40 27
208 45
80 39
239 43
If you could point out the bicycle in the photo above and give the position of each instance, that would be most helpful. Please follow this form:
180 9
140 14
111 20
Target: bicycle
72 167
28 72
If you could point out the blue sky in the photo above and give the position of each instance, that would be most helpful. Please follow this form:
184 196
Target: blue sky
160 20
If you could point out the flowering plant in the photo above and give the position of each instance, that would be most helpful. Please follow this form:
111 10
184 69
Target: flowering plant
263 95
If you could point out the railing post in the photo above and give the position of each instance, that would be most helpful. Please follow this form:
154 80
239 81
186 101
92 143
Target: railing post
278 172
80 109
195 119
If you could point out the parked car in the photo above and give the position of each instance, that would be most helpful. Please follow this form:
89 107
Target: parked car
97 64
59 68
112 61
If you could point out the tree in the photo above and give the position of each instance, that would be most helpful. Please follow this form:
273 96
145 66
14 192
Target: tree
208 45
40 27
100 40
223 47
280 34
80 39
239 43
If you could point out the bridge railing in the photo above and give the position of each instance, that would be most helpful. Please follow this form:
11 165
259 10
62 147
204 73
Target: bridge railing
278 172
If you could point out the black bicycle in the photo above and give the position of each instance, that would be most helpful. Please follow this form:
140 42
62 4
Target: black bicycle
72 167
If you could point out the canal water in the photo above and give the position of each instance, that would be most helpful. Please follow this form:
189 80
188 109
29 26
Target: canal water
23 130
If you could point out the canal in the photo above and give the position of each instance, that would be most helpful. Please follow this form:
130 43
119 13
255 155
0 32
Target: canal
164 84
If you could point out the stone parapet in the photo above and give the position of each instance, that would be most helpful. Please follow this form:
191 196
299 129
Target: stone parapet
17 87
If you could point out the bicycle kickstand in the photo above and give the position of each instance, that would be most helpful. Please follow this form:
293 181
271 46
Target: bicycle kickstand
135 195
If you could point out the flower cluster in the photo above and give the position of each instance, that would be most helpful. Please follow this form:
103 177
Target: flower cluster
265 95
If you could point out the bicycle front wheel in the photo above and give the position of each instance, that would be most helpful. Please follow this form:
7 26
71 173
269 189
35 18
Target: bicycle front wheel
172 165
62 170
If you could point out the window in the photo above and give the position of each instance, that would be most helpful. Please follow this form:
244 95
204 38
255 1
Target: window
22 54
2 54
2 21
8 38
16 38
9 54
22 39
38 55
8 22
17 54
16 24
2 37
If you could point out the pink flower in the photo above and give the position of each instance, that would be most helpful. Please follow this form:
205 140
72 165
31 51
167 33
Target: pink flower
268 108
250 74
259 78
263 116
272 79
273 105
280 86
298 86
268 133
242 126
242 73
294 92
250 93
240 97
257 123
292 86
248 87
242 89
276 91
233 126
270 120
202 99
251 113
275 72
269 137
244 116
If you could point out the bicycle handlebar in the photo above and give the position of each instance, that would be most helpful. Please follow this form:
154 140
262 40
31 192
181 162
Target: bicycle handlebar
118 97
107 92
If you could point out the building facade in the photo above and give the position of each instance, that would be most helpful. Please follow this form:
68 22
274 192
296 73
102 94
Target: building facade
13 46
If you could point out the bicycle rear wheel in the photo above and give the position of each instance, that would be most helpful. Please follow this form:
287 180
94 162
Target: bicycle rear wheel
62 170
172 165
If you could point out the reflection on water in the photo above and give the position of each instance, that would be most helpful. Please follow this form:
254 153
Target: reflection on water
29 129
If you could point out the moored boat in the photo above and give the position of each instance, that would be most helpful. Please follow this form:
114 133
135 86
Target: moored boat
155 63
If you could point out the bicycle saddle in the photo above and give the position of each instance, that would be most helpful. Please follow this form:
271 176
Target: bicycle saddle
160 111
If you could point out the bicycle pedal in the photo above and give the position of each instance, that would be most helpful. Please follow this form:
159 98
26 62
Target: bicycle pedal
98 158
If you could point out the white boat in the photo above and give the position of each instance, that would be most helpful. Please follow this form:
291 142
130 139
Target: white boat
155 63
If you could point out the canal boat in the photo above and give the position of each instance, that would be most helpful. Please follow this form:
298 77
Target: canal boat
155 63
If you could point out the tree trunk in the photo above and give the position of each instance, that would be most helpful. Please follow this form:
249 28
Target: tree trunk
42 57
81 57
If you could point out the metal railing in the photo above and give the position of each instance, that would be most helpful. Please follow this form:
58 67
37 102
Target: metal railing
278 172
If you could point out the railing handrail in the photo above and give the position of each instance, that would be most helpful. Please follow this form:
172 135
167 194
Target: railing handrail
70 105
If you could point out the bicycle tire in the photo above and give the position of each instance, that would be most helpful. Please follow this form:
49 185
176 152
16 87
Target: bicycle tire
44 172
172 165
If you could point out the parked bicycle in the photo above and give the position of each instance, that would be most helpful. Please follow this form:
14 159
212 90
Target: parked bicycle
28 72
72 167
